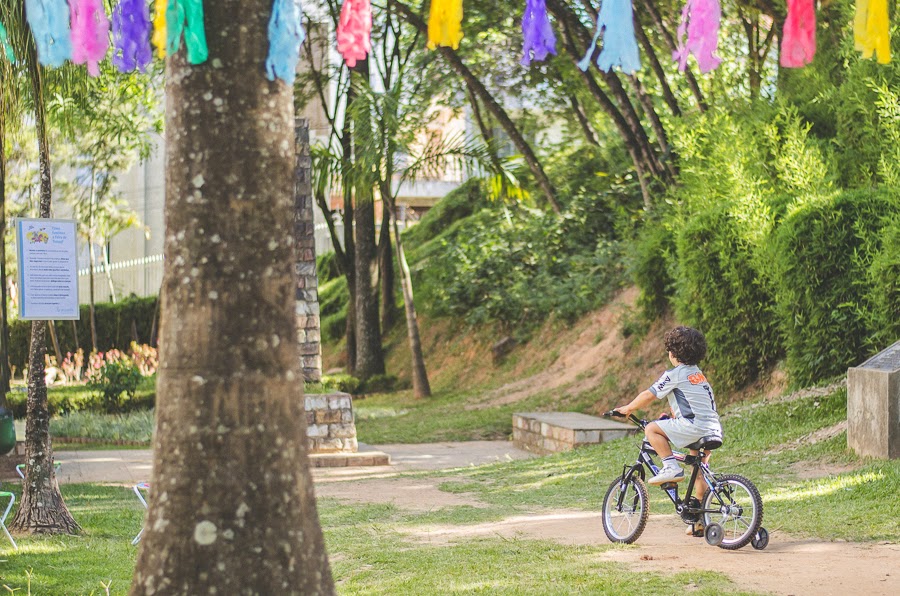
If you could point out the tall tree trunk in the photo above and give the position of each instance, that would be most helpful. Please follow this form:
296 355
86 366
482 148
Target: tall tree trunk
57 353
93 258
650 53
656 17
479 90
369 353
589 133
109 279
232 509
421 386
386 265
42 509
349 242
5 373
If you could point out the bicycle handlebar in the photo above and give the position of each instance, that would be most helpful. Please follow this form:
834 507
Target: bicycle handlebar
631 417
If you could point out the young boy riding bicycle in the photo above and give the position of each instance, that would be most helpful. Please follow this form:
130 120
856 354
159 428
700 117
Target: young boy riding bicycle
691 401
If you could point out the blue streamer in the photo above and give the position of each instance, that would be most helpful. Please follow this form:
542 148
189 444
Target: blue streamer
286 35
7 48
49 22
616 20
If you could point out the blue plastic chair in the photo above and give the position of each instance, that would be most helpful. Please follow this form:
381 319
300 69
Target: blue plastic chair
12 499
141 486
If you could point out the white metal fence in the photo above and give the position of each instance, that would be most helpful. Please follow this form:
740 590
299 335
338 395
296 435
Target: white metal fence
142 277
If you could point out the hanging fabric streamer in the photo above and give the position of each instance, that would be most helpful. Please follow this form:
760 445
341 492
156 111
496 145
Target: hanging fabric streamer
131 35
445 23
871 34
698 34
798 40
159 27
354 31
539 38
286 34
616 21
7 47
186 16
90 34
49 22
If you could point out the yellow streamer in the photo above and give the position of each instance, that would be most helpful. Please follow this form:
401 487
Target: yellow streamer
445 23
159 28
870 30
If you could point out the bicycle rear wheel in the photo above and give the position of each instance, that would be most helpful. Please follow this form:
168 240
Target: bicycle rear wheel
625 510
739 509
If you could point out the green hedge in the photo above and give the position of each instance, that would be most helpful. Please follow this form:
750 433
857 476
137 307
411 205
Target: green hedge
884 289
81 398
826 252
719 291
130 319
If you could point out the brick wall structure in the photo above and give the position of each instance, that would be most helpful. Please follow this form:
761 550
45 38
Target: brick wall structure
307 308
329 423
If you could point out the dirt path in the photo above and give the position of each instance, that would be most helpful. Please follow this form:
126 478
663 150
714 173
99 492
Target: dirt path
789 566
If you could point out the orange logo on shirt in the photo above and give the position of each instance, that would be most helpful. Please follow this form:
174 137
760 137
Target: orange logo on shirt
697 378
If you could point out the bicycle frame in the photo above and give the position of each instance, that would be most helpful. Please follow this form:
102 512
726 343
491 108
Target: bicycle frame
698 468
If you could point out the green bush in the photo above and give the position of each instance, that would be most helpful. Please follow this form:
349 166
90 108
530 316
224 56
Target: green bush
114 379
825 251
719 291
80 398
340 382
381 384
130 319
884 290
459 204
648 266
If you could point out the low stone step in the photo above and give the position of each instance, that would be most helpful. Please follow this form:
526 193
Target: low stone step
552 432
348 460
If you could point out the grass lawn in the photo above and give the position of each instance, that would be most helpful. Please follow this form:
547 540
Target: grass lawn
372 550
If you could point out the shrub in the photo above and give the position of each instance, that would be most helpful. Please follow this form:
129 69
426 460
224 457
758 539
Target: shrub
340 382
719 291
825 251
884 290
114 378
380 384
648 266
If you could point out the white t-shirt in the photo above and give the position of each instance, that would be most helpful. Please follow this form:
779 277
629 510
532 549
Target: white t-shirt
690 396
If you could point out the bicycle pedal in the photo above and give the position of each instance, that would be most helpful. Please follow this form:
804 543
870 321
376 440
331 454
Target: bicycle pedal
668 485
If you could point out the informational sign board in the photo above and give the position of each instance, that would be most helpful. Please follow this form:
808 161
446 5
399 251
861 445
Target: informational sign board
48 269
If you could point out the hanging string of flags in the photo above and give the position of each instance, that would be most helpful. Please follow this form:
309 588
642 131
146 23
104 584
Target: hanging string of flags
79 31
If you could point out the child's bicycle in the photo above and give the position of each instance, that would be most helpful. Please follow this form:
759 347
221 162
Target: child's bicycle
731 511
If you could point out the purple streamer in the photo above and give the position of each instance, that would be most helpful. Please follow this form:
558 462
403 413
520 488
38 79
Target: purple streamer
539 38
131 35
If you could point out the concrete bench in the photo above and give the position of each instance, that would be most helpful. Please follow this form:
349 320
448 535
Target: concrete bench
552 432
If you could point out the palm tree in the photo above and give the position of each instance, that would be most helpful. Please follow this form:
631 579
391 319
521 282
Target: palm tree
42 509
232 508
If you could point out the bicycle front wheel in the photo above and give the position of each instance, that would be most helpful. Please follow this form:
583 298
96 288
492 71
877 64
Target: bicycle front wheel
625 510
738 508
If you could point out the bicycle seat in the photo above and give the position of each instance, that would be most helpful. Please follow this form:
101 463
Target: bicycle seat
708 443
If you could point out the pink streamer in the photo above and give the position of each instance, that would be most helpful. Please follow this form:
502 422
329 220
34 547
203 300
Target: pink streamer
698 34
354 31
798 42
90 33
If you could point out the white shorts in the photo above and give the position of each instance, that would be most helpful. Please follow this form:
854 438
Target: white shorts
682 432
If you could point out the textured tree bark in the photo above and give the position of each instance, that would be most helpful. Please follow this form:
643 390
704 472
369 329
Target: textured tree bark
386 266
349 242
5 372
657 68
232 509
589 134
369 353
491 104
42 509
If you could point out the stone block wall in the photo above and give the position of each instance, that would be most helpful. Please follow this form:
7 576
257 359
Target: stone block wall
330 427
552 432
307 297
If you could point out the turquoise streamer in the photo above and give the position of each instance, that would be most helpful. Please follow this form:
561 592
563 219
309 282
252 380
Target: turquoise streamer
186 16
49 22
4 41
286 35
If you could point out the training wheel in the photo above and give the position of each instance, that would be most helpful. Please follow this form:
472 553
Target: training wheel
714 534
761 539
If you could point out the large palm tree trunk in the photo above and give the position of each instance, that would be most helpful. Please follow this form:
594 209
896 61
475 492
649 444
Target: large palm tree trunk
232 509
42 509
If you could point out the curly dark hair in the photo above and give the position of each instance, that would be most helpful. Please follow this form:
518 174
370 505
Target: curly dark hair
687 344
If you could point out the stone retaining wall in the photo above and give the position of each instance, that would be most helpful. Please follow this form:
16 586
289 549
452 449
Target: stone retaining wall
552 432
330 424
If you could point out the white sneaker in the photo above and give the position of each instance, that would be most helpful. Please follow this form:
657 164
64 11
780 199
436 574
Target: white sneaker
674 474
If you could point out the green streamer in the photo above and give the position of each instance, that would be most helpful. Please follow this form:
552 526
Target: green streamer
4 41
186 16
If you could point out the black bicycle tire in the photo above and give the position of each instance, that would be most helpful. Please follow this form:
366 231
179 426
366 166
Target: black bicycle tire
644 496
757 501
